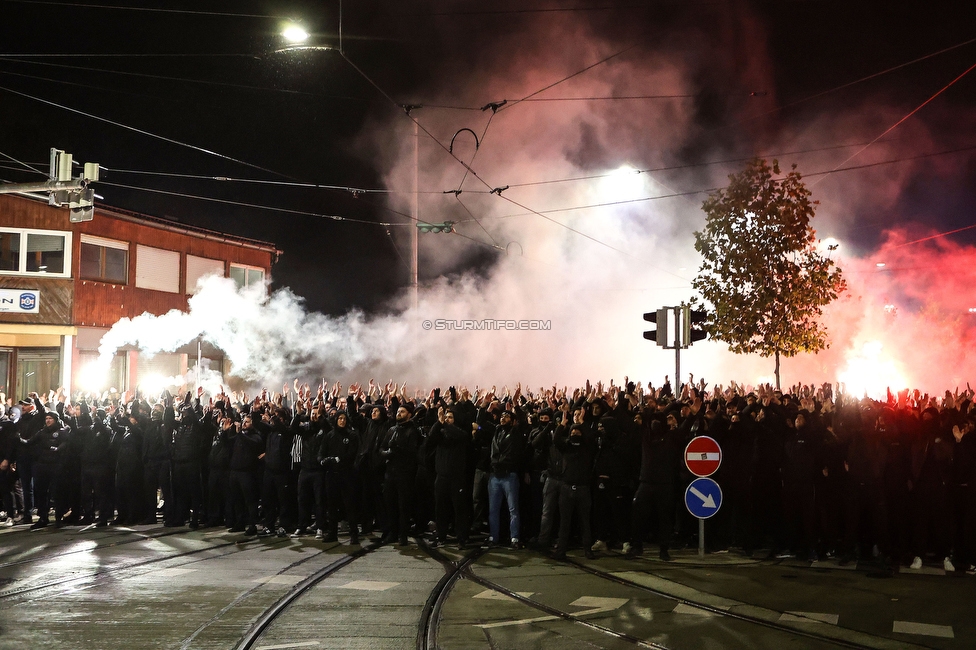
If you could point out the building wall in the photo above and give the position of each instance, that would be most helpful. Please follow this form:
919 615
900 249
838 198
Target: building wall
73 311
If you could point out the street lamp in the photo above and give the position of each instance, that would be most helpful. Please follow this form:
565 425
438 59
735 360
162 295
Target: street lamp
294 33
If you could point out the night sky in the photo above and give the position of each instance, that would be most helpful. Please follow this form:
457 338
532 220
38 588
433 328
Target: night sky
207 75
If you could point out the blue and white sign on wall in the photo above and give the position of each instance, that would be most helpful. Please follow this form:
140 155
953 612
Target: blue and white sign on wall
703 498
20 301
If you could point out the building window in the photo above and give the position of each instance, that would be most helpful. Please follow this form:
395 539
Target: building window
199 267
157 269
246 276
104 259
35 252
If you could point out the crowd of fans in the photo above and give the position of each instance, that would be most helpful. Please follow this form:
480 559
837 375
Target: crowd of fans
805 472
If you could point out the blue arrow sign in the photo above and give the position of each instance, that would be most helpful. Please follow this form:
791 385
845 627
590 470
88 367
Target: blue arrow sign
703 498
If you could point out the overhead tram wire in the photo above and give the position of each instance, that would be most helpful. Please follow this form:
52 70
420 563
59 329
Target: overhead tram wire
713 189
899 122
145 75
258 206
477 148
22 164
144 132
144 9
475 174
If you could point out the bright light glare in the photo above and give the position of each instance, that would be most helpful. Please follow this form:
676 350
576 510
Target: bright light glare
154 383
622 183
870 371
92 377
880 265
829 244
294 34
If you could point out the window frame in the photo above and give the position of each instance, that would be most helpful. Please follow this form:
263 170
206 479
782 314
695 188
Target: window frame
104 243
246 268
22 260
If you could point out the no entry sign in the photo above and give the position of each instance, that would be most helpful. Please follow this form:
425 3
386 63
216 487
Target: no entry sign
703 456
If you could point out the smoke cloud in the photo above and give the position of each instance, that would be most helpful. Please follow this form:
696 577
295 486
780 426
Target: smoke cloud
590 272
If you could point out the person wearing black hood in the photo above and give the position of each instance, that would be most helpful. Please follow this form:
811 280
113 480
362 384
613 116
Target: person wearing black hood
156 457
44 446
551 476
97 476
867 432
931 470
8 435
613 493
129 434
371 467
578 447
802 463
963 492
219 510
187 471
338 456
399 449
660 453
451 493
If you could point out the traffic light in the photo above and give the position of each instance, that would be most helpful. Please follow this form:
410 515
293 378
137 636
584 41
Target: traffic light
693 323
659 318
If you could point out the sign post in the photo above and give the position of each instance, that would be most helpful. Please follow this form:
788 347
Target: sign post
703 497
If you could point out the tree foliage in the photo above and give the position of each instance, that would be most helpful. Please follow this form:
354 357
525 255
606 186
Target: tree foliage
762 279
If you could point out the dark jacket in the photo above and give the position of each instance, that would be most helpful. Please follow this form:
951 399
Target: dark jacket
399 448
451 444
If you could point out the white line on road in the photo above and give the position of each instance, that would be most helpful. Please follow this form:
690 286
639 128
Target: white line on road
368 585
809 617
282 646
925 629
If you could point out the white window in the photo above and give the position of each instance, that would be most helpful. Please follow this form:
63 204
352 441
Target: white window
246 276
198 267
157 269
35 252
103 259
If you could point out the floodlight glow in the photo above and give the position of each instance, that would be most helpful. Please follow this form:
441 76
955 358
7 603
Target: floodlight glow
92 377
622 184
880 265
294 34
154 383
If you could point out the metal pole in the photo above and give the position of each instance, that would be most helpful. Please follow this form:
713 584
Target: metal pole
416 216
701 538
677 352
199 360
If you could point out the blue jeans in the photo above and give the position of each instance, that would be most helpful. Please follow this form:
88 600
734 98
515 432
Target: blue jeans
500 487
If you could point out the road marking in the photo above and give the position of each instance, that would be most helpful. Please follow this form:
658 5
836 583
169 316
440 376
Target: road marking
280 580
834 564
368 585
682 608
677 589
924 629
282 646
596 604
491 594
168 573
809 617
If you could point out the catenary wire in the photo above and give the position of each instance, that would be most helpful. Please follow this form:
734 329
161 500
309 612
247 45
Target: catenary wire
23 164
899 122
143 132
144 9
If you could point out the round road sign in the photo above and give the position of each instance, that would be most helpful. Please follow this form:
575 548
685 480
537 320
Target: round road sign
703 456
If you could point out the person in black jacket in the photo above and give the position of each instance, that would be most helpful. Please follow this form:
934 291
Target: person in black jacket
507 450
399 449
156 457
44 445
246 445
32 416
931 469
8 436
371 468
660 451
128 468
219 510
578 446
187 472
279 494
963 494
451 495
802 463
551 478
97 468
311 478
338 456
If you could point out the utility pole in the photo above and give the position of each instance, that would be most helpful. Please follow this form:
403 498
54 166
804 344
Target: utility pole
414 298
61 188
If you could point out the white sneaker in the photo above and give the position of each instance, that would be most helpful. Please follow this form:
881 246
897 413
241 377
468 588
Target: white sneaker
916 563
319 534
626 548
598 545
948 566
8 522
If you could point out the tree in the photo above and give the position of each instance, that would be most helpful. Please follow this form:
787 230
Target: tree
761 274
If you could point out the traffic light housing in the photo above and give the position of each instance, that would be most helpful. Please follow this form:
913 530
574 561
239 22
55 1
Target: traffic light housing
693 325
446 227
660 334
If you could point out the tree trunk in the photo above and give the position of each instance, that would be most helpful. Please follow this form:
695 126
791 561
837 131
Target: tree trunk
777 370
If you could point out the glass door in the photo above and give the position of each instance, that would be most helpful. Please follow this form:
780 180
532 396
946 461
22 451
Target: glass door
38 370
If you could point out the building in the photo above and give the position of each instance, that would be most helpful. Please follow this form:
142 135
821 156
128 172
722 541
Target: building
64 284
